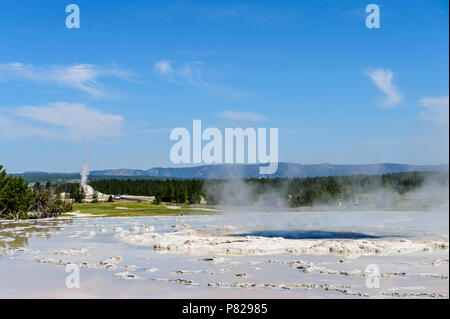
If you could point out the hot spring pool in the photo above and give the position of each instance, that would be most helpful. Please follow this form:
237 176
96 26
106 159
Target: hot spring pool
309 234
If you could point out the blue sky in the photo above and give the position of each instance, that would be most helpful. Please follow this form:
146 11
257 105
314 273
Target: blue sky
113 89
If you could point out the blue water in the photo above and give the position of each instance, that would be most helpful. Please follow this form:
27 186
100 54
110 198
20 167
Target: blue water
312 234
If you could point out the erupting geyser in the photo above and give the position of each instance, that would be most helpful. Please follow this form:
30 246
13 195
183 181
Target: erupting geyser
84 174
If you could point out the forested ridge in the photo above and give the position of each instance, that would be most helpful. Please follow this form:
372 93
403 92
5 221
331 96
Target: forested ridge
294 191
18 199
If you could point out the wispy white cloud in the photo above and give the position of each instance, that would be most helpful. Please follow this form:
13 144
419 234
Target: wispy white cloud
83 77
190 73
242 116
163 67
383 80
12 129
196 74
436 109
62 121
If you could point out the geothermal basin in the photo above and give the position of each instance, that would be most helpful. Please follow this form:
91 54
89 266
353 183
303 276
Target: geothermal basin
237 254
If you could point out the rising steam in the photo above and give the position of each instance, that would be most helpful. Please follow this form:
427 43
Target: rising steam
431 193
84 173
85 169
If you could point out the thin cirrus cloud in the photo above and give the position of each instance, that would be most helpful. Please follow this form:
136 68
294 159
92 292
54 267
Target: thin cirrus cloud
186 73
195 73
84 77
72 122
163 67
383 80
242 116
12 129
436 109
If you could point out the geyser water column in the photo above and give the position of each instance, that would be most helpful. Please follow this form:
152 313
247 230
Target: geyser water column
84 173
85 168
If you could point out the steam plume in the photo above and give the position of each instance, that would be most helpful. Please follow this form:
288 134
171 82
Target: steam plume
84 173
85 169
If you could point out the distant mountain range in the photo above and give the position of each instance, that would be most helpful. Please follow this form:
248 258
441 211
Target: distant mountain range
252 170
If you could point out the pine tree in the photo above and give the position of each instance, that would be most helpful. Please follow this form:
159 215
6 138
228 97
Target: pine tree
95 199
15 197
